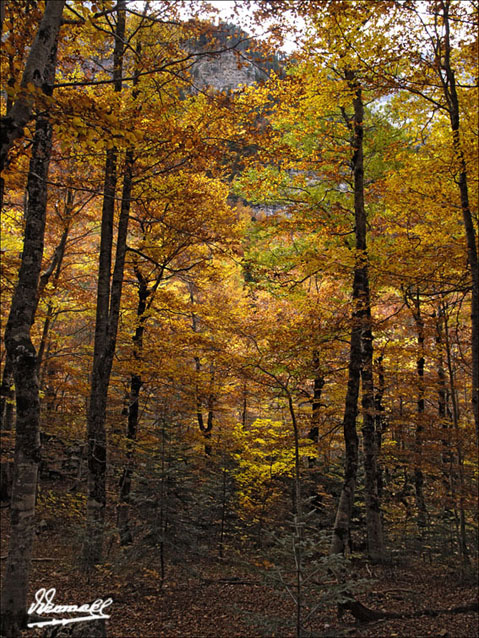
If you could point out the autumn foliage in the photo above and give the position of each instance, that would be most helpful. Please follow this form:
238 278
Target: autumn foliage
251 304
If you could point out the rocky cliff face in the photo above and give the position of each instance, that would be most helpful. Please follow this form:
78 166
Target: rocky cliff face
243 61
225 71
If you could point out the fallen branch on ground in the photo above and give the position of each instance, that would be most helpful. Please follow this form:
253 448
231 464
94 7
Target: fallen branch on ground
33 559
364 614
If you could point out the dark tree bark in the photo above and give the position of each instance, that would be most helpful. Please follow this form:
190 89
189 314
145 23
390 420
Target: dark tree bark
107 313
210 406
442 403
210 400
22 354
462 536
318 384
373 513
12 125
2 16
412 298
6 396
298 538
36 73
346 499
450 92
133 412
96 502
105 345
360 361
373 508
380 418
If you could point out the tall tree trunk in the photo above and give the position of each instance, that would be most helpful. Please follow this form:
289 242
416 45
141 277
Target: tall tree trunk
318 384
373 512
447 456
360 361
414 298
346 499
102 365
459 452
106 324
36 73
22 354
450 91
12 127
380 418
373 509
298 539
442 399
92 549
133 411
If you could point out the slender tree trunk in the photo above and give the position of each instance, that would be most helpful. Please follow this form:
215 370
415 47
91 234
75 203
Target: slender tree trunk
414 297
346 499
380 418
460 457
441 408
123 509
223 512
103 361
450 91
360 363
210 401
298 521
318 384
106 324
210 406
373 509
133 412
22 354
125 481
297 461
96 502
163 499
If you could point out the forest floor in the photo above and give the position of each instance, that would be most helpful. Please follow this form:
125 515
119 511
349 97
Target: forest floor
219 598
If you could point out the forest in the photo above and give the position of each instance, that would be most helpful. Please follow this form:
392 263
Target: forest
240 318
